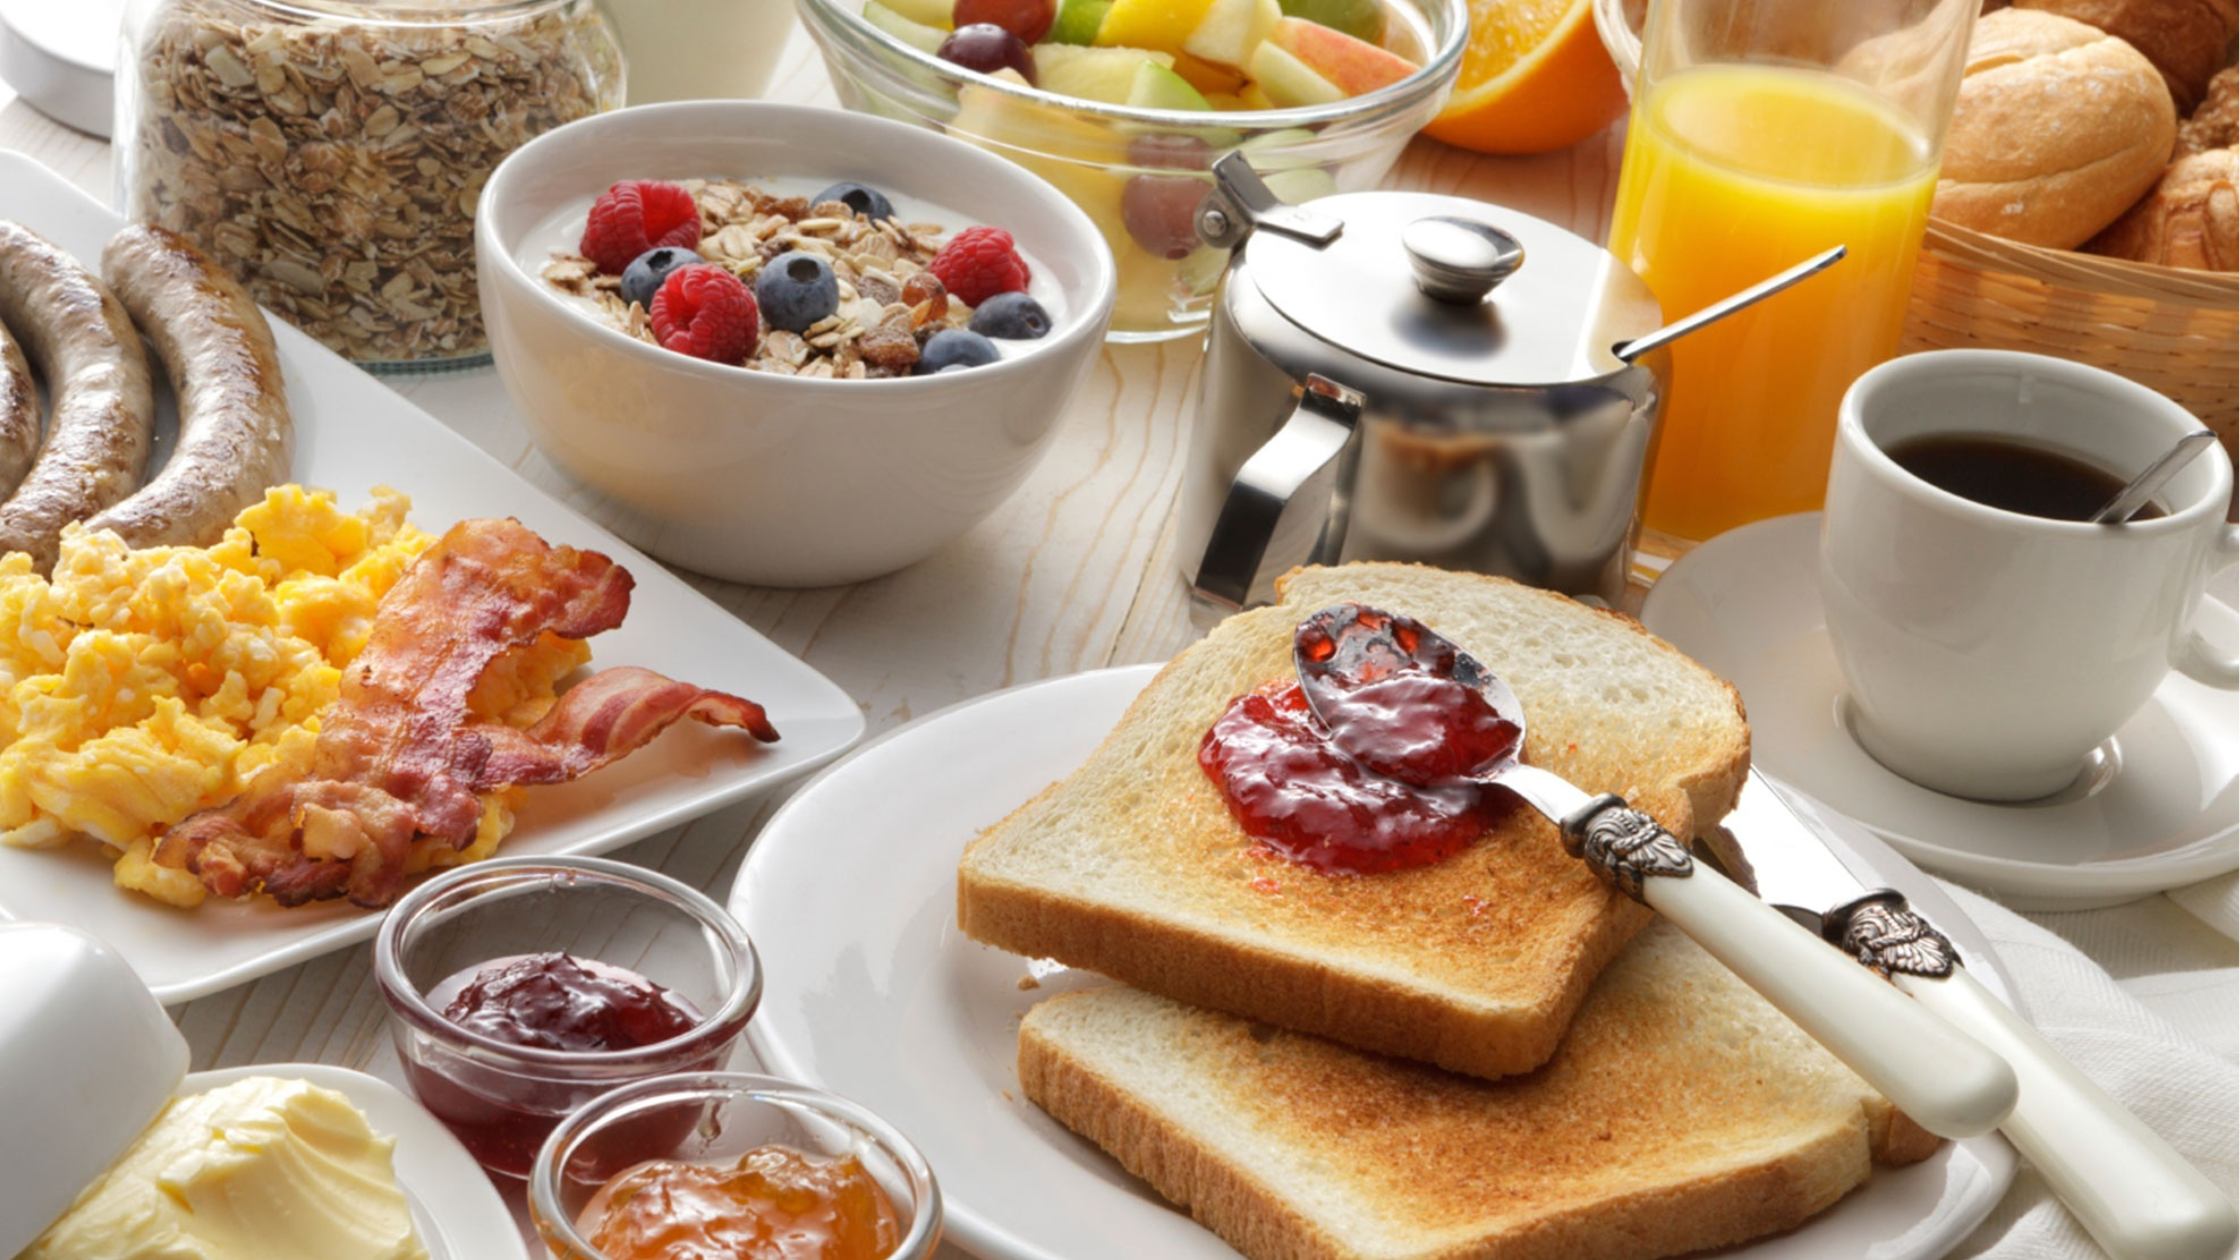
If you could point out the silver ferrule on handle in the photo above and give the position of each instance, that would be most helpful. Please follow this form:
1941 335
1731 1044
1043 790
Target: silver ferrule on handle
1888 938
1623 846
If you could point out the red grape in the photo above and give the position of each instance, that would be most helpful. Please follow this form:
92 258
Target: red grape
1028 19
1170 151
987 48
1161 213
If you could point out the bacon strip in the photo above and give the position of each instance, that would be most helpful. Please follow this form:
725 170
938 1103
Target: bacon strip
399 757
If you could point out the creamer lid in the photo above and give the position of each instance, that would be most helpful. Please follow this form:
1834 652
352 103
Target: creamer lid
1400 284
89 1060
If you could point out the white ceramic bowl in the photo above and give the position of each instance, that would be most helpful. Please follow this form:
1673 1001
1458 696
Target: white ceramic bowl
761 478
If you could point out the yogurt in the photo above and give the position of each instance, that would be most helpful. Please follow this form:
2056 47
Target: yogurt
559 236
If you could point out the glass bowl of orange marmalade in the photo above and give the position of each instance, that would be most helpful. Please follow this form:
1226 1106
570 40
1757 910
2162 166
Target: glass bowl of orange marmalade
727 1163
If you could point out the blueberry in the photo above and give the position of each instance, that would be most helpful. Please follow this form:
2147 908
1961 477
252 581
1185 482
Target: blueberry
1011 316
955 348
642 278
864 200
796 290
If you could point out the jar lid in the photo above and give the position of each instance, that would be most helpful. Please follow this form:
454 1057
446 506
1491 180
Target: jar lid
91 1061
1453 288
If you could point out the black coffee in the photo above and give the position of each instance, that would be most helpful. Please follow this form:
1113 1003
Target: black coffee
2013 476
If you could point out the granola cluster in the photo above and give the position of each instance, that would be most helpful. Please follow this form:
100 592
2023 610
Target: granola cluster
334 162
889 303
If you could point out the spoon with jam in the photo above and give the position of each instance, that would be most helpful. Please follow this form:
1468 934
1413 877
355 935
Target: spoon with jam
1407 704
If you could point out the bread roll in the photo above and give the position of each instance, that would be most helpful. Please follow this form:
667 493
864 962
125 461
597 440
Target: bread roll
2216 124
2191 219
2185 39
2058 129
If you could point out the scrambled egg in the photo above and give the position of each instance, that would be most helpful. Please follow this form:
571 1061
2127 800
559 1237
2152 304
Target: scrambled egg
137 687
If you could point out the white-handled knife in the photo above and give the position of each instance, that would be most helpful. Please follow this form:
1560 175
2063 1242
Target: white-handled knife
2135 1195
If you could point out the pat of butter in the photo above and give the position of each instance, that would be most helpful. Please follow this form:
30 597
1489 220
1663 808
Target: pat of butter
259 1168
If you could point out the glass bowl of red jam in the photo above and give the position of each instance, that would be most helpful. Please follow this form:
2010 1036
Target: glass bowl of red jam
718 1165
521 988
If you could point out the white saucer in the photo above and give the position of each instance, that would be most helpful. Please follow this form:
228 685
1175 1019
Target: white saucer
2158 807
871 991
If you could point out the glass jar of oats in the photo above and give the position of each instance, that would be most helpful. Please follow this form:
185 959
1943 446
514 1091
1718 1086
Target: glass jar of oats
331 152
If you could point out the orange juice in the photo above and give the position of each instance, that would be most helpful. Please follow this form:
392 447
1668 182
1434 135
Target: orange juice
1732 173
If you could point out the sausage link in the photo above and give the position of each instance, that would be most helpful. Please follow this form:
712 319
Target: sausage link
102 413
235 438
19 414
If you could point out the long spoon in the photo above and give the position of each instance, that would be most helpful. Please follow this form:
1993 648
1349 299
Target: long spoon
1946 1081
2131 498
1728 305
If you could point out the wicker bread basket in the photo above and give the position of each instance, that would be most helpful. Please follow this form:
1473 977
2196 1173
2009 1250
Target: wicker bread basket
2173 330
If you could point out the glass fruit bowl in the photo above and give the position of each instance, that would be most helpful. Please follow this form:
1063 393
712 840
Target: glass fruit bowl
1140 170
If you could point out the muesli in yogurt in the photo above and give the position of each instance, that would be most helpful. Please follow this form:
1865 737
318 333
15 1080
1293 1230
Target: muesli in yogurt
833 285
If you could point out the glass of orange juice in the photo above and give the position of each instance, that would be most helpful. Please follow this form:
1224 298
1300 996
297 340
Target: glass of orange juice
1763 132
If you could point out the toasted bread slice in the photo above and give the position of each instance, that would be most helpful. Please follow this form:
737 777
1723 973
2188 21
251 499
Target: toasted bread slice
1683 1112
1134 867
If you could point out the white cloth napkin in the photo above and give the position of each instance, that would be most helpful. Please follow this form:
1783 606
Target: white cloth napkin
2108 1025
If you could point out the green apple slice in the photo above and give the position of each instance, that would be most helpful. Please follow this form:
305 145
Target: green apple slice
916 34
1094 74
1157 87
1078 22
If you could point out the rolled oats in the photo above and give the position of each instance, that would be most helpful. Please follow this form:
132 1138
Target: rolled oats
334 162
872 334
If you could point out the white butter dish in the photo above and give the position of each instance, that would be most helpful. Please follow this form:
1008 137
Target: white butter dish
91 1059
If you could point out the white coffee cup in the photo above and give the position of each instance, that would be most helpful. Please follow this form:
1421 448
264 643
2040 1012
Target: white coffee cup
1987 651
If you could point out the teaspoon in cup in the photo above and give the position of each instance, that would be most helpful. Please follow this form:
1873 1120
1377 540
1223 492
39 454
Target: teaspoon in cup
2131 498
1946 1081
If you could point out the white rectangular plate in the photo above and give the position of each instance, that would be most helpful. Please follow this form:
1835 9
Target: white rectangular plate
352 434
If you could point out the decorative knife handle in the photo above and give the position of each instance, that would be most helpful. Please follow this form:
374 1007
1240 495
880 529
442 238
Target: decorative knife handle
2136 1196
1623 846
1885 935
1950 1085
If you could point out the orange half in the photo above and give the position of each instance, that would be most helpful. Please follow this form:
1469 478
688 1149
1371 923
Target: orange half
1534 78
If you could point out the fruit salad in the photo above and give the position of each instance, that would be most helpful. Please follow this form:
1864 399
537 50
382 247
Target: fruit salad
1189 55
834 284
1125 105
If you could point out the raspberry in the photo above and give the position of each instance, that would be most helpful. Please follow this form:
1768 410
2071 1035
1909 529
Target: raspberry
706 312
635 216
979 263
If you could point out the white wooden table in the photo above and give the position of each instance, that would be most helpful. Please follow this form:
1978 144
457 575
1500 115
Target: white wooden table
1074 572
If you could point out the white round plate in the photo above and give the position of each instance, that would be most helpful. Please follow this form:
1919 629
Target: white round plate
871 991
454 1206
2159 808
62 56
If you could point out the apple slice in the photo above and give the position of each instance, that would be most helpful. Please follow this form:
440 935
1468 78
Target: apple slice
1231 29
1094 74
1287 81
1079 21
916 34
938 14
1356 67
1157 87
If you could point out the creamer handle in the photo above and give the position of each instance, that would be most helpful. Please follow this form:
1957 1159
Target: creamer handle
1311 446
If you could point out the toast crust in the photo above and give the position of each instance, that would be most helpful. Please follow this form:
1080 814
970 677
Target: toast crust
1134 867
1683 1114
